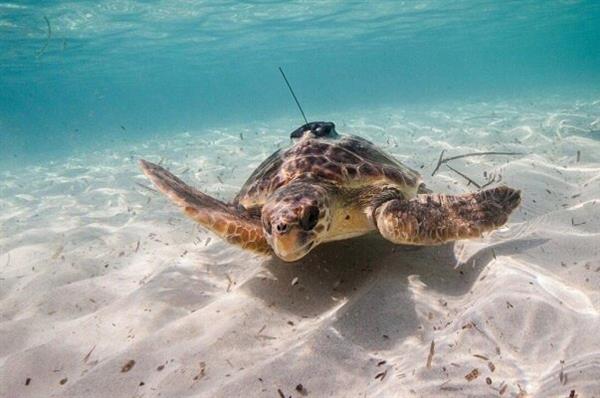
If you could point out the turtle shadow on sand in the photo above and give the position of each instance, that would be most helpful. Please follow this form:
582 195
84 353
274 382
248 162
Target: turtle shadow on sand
368 278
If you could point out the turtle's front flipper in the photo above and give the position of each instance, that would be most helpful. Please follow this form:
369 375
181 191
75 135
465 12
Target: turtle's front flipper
233 225
435 219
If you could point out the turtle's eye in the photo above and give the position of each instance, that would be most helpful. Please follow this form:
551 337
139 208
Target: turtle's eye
309 218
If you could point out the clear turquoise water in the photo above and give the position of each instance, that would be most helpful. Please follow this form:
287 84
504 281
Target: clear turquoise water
119 71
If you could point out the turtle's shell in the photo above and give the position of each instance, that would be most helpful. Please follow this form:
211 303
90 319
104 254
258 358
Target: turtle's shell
344 161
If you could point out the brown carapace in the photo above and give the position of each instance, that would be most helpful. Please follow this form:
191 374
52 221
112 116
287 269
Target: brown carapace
328 187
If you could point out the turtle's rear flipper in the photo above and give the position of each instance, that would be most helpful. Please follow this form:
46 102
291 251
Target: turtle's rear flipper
230 224
435 219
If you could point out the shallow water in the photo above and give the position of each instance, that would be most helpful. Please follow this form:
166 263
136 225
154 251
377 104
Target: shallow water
97 269
122 70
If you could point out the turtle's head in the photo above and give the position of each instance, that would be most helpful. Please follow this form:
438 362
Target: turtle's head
295 219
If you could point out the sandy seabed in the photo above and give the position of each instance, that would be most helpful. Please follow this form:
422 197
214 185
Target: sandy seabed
107 290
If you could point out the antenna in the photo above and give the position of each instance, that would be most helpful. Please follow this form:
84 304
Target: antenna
293 95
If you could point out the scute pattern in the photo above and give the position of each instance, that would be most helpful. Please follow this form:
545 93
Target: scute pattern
346 160
264 180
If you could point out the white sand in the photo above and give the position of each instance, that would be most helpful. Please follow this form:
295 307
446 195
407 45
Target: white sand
96 271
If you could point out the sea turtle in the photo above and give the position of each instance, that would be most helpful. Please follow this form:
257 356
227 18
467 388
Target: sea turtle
328 187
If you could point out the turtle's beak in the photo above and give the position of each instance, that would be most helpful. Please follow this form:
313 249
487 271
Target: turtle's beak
288 246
